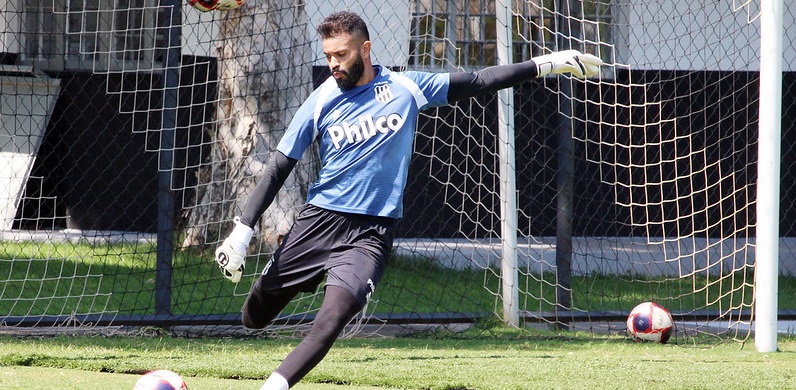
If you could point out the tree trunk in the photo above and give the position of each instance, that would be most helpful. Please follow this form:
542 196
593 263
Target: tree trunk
265 73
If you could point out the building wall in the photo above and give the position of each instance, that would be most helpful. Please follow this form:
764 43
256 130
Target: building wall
96 166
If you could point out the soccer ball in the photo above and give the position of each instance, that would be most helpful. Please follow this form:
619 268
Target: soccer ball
650 321
160 380
221 5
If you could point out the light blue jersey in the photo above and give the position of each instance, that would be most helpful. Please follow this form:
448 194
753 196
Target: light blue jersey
366 137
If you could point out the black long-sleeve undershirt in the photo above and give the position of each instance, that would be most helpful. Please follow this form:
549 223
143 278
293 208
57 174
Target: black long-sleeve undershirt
274 177
463 85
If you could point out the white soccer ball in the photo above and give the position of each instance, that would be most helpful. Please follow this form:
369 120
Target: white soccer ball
160 380
221 5
650 321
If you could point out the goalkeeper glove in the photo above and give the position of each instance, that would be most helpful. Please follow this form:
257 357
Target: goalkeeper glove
231 255
568 61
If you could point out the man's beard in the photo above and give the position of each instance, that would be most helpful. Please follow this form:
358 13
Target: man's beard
352 75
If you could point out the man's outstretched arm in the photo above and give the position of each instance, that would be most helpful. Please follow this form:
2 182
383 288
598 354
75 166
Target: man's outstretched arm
465 85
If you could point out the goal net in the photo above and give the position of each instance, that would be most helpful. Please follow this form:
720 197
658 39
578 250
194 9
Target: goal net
635 185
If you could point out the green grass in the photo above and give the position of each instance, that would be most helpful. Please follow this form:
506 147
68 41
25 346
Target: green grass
507 359
61 279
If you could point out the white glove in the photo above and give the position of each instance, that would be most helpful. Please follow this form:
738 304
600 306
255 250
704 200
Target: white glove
231 255
568 61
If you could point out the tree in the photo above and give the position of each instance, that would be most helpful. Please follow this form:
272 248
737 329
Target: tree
264 74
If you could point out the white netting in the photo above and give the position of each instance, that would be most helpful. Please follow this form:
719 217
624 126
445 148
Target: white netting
634 185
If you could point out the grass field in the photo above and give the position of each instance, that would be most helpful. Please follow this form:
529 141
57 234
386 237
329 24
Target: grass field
120 279
53 279
488 359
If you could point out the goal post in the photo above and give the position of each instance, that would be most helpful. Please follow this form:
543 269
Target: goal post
768 182
508 175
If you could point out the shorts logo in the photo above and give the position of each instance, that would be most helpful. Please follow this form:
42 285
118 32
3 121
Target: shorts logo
383 93
268 266
372 288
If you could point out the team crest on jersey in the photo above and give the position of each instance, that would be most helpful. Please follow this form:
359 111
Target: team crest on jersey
383 93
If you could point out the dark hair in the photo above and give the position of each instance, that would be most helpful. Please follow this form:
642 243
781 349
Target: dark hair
343 22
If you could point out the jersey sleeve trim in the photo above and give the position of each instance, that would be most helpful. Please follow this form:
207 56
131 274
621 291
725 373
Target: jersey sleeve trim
417 93
325 90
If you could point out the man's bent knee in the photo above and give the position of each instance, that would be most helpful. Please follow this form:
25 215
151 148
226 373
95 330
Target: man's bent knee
261 308
252 322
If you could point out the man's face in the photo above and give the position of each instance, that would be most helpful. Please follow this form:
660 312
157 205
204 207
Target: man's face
344 55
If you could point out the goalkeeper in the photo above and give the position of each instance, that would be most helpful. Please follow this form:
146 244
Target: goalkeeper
364 119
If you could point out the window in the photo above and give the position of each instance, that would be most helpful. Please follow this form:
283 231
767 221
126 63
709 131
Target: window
97 35
457 33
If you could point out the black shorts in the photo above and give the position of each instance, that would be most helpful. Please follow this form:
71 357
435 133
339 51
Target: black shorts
351 248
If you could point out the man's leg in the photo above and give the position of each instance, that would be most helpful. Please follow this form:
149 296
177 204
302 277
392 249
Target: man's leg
297 265
337 309
262 306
